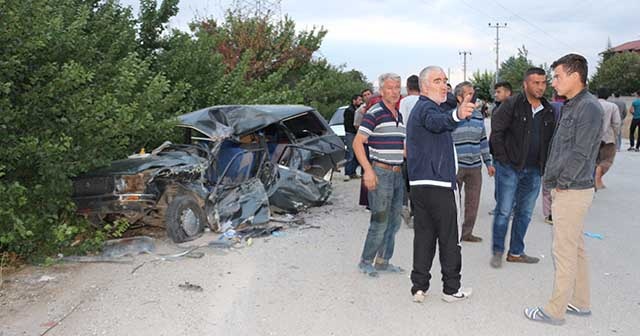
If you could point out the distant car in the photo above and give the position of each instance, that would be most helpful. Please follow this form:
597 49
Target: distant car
237 163
337 122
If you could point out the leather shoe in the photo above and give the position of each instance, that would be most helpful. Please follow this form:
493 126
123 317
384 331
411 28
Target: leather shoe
471 238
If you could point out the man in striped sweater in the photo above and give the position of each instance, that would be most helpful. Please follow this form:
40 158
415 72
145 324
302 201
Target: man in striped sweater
472 149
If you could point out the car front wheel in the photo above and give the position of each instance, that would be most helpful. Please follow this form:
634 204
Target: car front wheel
185 220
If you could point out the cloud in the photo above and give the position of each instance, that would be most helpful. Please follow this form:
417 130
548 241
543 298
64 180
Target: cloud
393 32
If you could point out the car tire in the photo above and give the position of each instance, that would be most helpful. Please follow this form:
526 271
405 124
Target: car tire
185 220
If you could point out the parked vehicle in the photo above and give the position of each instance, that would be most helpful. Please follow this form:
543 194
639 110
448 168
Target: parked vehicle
337 122
236 165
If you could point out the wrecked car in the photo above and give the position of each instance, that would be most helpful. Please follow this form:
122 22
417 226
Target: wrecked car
237 164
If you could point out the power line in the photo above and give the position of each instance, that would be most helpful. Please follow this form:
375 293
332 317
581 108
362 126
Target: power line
534 25
545 46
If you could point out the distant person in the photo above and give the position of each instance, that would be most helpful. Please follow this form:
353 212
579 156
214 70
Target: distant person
472 148
450 103
366 95
364 194
413 93
503 91
611 125
382 128
622 106
521 131
432 175
634 110
569 173
406 105
350 133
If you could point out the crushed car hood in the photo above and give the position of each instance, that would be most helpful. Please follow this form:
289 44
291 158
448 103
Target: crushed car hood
136 165
225 121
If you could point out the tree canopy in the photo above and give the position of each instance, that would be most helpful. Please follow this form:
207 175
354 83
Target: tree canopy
483 82
619 73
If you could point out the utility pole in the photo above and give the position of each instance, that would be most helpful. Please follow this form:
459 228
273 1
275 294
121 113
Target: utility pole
464 54
497 27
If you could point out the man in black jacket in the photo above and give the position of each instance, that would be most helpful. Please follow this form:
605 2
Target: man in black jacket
521 131
349 134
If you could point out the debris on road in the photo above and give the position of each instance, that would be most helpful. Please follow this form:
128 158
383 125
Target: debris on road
190 287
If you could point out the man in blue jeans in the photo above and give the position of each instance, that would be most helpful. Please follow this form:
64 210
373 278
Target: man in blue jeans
382 128
521 131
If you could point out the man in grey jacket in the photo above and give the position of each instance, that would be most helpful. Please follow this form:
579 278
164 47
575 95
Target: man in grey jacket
569 175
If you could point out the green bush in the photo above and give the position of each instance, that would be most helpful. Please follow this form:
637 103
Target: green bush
83 82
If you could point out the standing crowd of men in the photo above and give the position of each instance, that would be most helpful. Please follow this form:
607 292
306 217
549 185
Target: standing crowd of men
432 144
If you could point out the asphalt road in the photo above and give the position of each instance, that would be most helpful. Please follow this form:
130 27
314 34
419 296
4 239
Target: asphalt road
306 282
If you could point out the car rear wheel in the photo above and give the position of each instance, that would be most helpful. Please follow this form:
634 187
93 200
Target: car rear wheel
184 220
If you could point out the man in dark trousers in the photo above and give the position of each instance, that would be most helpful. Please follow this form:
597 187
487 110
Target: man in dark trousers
521 131
432 169
349 135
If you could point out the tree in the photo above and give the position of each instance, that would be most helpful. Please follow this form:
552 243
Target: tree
255 60
512 70
152 21
483 82
74 95
620 72
269 44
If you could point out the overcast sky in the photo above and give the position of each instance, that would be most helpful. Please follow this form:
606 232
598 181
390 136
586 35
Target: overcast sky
377 36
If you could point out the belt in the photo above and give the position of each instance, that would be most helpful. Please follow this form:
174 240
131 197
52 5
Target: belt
395 169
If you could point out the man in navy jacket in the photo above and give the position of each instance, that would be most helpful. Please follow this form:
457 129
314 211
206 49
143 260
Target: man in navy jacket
432 165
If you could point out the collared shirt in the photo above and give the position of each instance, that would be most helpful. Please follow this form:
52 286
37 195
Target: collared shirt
537 109
385 135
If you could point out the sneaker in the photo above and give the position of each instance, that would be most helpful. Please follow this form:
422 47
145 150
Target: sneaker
462 294
346 178
471 238
390 268
538 315
631 149
419 296
368 269
523 258
548 220
496 260
573 310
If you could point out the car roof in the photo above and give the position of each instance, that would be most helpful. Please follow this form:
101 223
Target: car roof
338 116
228 120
